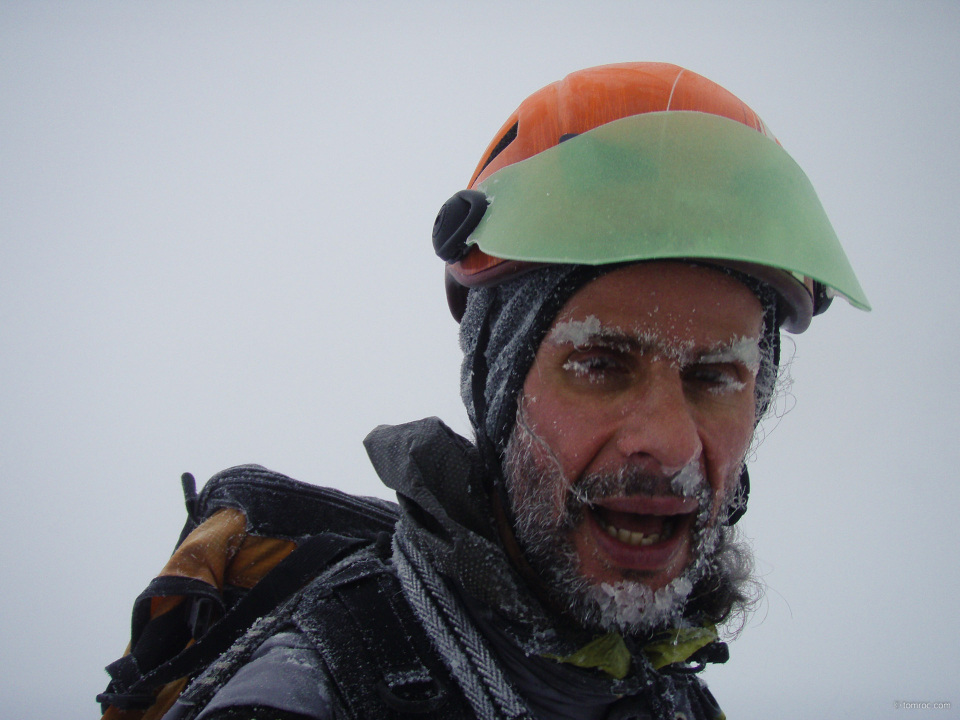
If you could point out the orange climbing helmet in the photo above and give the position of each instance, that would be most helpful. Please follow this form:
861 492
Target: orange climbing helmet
642 161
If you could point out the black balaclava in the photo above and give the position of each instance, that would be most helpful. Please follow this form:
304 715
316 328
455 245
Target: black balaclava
503 326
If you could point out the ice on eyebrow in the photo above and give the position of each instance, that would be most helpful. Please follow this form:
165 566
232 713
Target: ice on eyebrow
583 332
576 332
744 350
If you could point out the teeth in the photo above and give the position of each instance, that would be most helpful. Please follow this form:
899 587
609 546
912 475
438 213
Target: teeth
636 538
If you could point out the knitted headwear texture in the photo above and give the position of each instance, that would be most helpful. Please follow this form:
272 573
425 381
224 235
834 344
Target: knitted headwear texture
500 333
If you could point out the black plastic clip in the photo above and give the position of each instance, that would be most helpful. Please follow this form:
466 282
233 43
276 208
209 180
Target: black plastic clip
458 217
411 692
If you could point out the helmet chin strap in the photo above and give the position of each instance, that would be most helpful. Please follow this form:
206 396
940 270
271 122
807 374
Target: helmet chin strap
488 451
740 497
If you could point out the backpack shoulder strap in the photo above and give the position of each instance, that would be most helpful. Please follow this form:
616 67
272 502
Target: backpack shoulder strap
137 675
380 660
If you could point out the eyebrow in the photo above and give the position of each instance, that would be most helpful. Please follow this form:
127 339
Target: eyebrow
619 340
590 333
744 350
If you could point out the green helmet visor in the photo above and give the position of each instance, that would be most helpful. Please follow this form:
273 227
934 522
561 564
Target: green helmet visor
664 185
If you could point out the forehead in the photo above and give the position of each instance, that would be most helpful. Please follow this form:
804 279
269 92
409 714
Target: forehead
677 301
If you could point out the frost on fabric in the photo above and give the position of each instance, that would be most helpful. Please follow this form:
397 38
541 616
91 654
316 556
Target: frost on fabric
399 678
226 665
509 313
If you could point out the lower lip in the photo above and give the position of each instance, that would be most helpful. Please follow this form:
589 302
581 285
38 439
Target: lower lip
653 557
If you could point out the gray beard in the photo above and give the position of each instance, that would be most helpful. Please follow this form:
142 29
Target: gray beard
546 514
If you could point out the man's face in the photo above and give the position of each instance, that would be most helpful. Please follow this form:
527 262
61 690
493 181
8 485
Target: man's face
633 425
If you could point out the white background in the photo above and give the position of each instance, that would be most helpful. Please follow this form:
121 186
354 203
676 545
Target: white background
215 248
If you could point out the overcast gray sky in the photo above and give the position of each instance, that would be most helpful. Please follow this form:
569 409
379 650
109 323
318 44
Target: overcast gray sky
214 249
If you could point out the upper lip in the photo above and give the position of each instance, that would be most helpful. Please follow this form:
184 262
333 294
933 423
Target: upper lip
649 505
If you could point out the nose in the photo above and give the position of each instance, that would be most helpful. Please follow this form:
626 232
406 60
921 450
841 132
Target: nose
657 425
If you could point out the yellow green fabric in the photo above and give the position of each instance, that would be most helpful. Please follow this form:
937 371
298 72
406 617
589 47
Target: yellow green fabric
609 653
664 185
679 644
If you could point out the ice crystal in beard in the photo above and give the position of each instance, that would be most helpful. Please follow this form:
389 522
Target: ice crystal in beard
546 516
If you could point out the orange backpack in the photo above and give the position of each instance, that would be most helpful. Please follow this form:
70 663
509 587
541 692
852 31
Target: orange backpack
252 539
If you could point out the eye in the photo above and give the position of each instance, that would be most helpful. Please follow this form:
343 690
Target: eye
598 366
718 379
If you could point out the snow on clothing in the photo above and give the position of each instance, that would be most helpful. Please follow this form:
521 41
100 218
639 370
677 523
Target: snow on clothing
481 619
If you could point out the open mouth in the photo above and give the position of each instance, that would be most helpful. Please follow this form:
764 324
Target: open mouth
614 527
639 522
